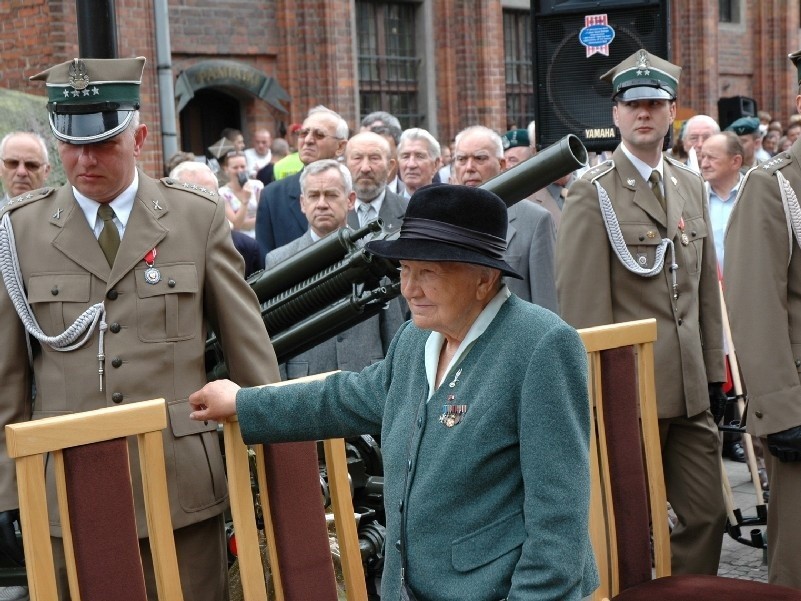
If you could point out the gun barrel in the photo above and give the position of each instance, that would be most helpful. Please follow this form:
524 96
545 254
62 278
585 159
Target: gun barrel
548 165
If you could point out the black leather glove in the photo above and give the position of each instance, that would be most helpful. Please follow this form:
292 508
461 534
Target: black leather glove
717 400
786 445
10 546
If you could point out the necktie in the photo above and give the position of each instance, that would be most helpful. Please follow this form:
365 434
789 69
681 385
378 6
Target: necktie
109 238
656 188
366 214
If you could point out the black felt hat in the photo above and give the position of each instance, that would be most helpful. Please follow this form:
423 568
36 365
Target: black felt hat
445 222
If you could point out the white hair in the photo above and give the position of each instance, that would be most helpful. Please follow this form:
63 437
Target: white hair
29 134
417 133
494 137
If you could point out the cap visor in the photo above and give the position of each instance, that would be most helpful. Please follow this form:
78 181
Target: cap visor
86 128
644 93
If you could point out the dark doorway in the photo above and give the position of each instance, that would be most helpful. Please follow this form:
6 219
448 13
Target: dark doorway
205 116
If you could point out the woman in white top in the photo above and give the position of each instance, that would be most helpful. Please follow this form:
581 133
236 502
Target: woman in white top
241 195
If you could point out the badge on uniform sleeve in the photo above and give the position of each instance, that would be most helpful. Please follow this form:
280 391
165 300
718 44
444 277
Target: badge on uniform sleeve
152 274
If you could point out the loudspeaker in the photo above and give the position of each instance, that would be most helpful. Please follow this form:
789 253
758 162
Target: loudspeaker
569 97
732 108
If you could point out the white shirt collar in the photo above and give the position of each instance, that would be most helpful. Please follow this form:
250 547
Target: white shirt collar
436 340
122 205
643 168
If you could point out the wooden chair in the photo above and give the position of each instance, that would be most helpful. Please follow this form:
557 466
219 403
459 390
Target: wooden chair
628 503
243 514
89 452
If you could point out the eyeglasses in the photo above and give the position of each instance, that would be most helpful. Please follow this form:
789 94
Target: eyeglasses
318 134
13 165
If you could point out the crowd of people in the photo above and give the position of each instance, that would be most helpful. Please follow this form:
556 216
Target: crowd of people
474 378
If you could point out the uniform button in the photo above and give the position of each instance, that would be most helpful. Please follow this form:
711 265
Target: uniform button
798 362
680 321
117 397
54 291
398 544
642 238
400 506
116 362
693 234
171 283
115 328
758 414
111 294
410 465
419 421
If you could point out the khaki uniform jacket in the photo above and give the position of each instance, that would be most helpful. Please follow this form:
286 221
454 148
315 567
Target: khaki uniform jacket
595 288
762 276
156 335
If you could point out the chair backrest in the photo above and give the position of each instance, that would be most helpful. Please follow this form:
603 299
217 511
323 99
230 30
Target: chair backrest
268 459
89 452
628 501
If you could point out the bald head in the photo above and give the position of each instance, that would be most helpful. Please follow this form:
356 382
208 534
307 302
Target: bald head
193 172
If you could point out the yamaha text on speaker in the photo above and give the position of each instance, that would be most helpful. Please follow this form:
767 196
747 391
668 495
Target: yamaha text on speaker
569 97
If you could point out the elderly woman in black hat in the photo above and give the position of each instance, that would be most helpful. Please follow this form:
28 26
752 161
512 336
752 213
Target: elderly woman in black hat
482 407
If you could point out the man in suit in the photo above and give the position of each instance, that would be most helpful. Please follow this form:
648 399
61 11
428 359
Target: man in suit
628 249
326 198
279 219
762 271
530 236
518 147
388 126
369 158
153 262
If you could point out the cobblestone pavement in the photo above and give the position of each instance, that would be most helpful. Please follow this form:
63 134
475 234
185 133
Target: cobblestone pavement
738 560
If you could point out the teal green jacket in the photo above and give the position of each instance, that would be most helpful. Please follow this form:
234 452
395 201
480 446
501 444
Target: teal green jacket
496 505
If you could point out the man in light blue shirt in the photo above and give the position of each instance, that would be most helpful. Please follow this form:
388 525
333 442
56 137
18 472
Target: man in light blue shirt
721 160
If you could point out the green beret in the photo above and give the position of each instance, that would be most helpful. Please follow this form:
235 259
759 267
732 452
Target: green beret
92 99
643 76
514 138
744 126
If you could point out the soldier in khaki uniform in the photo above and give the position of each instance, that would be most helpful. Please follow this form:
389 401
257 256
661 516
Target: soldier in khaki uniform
763 293
147 277
627 251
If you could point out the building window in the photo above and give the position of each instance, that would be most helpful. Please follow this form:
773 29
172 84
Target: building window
519 79
729 11
388 61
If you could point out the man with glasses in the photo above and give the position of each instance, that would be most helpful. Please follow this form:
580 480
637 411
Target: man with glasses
279 219
25 165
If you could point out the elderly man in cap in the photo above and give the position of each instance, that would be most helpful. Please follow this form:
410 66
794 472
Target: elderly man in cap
126 249
25 163
762 272
747 129
469 390
636 243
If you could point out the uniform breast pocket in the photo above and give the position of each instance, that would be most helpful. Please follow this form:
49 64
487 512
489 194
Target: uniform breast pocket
170 309
696 231
642 241
58 299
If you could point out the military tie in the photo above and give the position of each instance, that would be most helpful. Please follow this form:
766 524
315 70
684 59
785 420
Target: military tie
657 189
366 214
109 238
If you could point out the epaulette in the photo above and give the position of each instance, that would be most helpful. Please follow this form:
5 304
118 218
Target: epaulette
599 170
674 163
24 199
773 164
206 193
